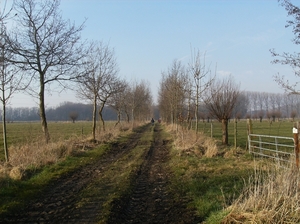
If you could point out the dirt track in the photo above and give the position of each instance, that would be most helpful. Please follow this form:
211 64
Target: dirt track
149 201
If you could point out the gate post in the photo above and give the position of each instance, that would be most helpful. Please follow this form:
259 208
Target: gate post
235 133
249 131
296 142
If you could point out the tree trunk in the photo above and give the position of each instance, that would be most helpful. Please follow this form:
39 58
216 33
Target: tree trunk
42 109
100 115
132 117
196 118
94 118
225 131
4 131
197 107
119 117
189 112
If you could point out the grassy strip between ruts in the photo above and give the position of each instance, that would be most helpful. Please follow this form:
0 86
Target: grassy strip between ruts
14 193
116 181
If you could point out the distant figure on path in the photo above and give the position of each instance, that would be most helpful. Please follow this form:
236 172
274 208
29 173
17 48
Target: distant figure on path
152 121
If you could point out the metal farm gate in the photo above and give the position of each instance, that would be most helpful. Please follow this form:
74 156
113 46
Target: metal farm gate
280 149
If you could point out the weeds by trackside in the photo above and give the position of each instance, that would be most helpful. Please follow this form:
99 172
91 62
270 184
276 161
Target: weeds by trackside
212 173
271 195
34 153
230 186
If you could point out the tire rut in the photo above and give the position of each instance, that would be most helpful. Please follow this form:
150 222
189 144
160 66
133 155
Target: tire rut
150 200
57 203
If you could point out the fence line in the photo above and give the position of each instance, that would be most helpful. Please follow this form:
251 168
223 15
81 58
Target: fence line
278 148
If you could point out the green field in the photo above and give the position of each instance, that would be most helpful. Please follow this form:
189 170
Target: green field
27 132
19 133
278 128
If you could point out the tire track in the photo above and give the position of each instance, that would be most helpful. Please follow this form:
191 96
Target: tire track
150 200
57 203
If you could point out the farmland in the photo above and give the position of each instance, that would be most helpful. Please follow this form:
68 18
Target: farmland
116 178
278 128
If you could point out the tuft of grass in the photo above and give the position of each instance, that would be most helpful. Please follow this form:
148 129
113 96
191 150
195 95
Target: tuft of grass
271 195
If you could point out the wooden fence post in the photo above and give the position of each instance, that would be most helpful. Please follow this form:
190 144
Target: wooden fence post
235 133
249 130
296 142
211 129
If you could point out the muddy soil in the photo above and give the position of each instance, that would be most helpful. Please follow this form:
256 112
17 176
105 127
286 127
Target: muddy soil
149 201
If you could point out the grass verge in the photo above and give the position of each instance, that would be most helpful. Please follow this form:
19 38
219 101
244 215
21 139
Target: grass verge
14 193
113 182
211 181
271 195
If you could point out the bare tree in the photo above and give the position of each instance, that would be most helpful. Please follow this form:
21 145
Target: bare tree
10 79
291 59
240 108
201 74
266 100
220 99
46 47
190 106
73 116
111 87
293 115
172 92
260 115
261 111
139 100
100 79
118 102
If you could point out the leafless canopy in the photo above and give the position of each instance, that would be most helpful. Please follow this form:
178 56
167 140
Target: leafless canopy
46 47
291 59
172 93
100 78
43 42
221 99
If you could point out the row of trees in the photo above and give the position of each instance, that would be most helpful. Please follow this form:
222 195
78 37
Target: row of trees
272 105
184 95
184 89
64 112
193 91
40 52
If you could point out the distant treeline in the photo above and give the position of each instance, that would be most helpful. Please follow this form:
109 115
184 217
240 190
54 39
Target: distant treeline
60 113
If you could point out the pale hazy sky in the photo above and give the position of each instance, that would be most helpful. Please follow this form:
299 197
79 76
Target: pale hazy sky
148 35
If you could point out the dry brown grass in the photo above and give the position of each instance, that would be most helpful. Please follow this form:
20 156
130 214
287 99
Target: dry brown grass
271 195
186 141
36 154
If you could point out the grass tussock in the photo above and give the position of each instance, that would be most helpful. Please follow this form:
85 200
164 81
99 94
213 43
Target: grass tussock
187 141
271 195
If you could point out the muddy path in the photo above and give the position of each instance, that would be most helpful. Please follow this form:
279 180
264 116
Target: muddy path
149 199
